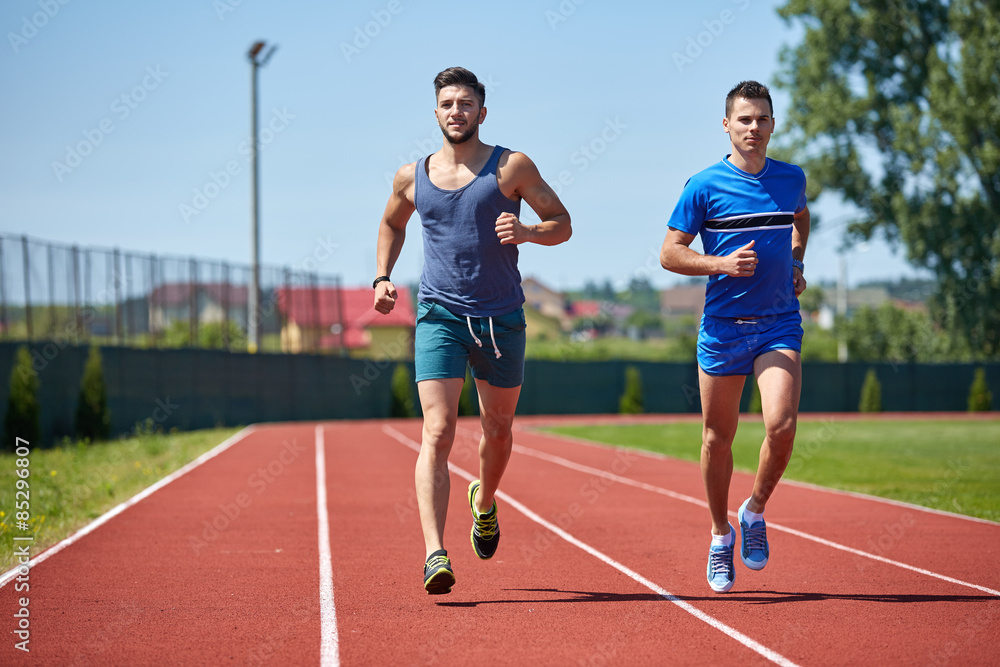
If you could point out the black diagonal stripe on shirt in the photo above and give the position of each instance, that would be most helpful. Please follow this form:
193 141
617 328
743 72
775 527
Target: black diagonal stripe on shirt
776 220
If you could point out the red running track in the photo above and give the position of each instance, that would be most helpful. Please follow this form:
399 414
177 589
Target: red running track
602 561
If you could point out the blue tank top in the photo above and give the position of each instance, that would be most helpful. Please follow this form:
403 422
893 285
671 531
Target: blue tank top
466 269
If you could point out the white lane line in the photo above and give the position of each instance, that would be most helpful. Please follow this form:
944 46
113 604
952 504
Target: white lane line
118 509
559 437
558 460
733 633
329 642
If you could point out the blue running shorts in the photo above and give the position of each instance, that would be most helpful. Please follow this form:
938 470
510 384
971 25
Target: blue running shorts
444 345
728 346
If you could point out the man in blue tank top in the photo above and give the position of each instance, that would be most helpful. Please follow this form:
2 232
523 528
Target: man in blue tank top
469 310
751 214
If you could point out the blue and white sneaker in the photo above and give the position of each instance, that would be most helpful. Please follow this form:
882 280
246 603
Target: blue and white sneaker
753 549
721 573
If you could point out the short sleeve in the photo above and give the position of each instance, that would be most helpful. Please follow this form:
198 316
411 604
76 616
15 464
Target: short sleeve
691 210
802 193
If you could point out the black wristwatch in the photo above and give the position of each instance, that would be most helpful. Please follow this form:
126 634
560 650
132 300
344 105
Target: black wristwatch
380 279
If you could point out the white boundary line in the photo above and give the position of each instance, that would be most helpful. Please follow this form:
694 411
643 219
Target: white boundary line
753 645
115 511
839 492
558 460
329 641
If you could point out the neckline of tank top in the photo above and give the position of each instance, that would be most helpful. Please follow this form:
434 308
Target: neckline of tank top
474 178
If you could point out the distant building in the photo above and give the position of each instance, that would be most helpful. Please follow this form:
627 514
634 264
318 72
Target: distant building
683 300
545 300
212 302
860 297
334 319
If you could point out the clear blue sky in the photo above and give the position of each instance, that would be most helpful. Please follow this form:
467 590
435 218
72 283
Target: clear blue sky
622 101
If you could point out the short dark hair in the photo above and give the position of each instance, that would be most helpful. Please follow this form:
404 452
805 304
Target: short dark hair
459 76
748 90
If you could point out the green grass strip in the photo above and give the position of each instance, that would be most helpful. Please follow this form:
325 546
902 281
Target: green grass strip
72 485
951 465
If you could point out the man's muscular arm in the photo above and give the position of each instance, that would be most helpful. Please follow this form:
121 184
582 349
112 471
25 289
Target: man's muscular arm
518 176
392 233
677 256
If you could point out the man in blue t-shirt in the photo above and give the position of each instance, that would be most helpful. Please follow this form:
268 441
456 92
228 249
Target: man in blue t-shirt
751 214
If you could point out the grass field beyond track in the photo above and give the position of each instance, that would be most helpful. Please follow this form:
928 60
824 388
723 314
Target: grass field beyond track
951 465
70 486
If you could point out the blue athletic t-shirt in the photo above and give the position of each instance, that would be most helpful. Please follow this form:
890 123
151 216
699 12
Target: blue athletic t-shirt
730 208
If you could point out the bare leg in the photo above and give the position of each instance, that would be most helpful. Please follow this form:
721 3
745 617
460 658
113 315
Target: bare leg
779 376
496 409
439 402
720 405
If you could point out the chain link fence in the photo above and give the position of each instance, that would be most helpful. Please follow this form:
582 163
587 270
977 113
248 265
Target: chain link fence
71 295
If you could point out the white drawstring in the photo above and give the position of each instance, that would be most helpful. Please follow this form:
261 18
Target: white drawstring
493 338
468 321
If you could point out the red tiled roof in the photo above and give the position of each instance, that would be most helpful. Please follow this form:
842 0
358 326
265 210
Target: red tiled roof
309 307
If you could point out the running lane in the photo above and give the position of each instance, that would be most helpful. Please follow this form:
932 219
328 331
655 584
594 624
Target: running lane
217 567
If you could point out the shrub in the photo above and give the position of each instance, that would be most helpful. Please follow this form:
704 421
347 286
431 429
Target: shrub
871 393
980 396
23 419
93 421
466 406
755 406
630 402
402 393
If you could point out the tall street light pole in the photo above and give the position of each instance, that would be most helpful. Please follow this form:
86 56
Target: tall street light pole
253 315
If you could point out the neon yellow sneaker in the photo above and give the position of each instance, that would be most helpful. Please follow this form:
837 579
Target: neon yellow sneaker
485 527
438 575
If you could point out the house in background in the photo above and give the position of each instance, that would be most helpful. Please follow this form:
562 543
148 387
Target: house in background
213 302
546 301
330 319
683 300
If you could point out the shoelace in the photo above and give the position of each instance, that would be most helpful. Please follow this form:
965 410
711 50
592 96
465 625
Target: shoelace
755 538
719 561
436 562
468 321
487 528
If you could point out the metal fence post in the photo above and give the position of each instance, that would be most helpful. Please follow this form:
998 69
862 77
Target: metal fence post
27 286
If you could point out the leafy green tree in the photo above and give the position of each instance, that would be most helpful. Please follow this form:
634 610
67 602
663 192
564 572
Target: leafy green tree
896 106
630 402
889 333
93 420
642 295
23 417
980 396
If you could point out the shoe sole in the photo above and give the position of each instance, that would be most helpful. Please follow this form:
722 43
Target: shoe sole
440 583
726 589
472 539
